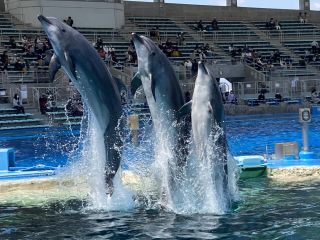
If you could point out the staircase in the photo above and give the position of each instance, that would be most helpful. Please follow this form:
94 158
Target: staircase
10 119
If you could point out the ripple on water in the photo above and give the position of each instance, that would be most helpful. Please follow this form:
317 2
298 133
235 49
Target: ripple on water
268 210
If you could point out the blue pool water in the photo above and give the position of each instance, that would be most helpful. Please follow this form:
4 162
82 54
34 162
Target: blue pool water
267 210
246 135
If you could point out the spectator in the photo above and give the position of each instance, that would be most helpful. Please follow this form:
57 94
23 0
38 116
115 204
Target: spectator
69 21
19 66
272 24
5 60
73 109
180 39
314 47
99 42
277 25
301 18
102 53
12 42
278 97
51 104
200 26
43 104
261 97
305 17
302 62
214 24
17 104
157 34
315 96
231 98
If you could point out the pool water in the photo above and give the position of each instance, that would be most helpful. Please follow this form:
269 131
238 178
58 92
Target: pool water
267 210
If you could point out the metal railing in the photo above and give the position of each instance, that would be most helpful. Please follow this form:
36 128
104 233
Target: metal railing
294 88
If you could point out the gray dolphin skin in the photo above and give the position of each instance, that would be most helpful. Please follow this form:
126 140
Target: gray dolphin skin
162 91
207 114
97 87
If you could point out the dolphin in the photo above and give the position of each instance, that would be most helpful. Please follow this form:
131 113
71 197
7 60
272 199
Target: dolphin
207 114
97 87
163 94
207 110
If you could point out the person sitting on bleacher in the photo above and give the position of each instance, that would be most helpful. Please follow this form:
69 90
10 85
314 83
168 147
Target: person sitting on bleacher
315 96
278 97
302 19
16 103
5 60
277 25
200 26
51 104
231 98
261 97
12 42
73 109
99 43
214 24
43 104
314 47
272 24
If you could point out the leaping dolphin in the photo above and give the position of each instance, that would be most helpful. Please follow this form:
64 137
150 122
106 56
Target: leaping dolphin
207 114
98 89
163 93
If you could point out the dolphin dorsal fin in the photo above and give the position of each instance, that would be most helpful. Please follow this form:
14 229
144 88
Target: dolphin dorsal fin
70 65
54 66
135 83
185 109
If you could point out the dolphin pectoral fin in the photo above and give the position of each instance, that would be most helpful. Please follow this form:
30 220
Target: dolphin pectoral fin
54 66
185 109
210 109
70 65
153 86
135 83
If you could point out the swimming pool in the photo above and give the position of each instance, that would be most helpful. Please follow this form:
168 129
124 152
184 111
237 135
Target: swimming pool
268 209
246 135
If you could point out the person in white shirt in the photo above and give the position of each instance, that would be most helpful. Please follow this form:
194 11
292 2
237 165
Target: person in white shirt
16 103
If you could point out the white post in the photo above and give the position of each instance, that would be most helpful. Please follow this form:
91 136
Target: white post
305 133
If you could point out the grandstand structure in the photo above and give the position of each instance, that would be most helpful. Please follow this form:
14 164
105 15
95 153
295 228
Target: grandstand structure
243 28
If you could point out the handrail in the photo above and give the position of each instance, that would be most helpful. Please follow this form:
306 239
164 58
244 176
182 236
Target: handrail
293 88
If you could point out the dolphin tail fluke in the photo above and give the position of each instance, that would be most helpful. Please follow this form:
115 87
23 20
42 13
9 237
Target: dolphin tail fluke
54 67
135 83
185 109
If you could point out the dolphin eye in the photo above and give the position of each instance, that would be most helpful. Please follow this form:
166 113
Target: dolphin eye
63 30
153 53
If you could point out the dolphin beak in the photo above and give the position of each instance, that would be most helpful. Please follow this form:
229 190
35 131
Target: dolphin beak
43 20
202 66
137 38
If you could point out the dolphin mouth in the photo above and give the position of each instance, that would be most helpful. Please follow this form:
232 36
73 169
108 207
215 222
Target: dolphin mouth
203 67
137 38
43 19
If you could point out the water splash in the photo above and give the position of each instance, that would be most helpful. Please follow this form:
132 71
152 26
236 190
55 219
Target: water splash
207 184
89 169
